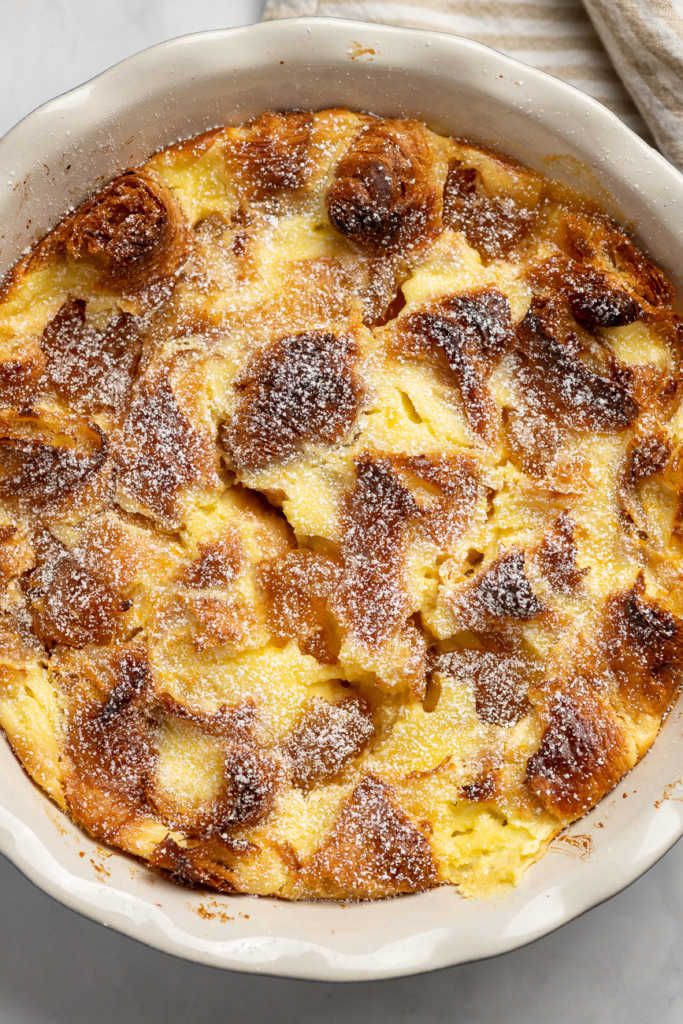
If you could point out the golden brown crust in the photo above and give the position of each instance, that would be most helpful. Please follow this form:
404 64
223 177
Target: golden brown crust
299 588
20 375
373 849
341 510
646 456
109 746
383 197
557 556
493 225
563 383
132 232
204 864
68 604
44 456
468 334
500 683
326 738
581 754
596 298
301 390
158 451
217 565
92 369
643 645
596 237
271 153
377 512
501 593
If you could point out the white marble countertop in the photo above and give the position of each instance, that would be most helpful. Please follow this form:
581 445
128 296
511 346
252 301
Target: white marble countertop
621 962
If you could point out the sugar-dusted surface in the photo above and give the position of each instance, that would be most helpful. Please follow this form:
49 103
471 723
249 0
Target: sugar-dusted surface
293 603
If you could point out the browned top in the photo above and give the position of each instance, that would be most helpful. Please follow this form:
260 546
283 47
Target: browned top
373 849
133 233
301 389
383 196
341 509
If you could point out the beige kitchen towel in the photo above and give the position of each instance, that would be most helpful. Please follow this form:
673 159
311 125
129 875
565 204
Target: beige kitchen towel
643 39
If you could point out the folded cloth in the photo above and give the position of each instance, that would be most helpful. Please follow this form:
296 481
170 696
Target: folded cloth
641 39
644 38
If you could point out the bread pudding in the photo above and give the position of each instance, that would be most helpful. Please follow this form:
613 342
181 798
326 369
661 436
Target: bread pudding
341 527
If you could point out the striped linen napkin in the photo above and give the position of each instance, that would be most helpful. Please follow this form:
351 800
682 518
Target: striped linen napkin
628 54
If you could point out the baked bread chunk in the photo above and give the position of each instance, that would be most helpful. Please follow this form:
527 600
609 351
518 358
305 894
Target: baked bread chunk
340 510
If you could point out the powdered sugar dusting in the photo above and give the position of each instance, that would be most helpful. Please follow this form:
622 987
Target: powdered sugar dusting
302 389
326 738
92 369
373 848
339 467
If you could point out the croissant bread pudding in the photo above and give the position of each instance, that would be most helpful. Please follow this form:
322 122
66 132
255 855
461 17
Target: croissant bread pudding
341 523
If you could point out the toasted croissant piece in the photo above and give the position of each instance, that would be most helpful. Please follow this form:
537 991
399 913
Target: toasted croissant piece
110 735
68 604
299 588
502 593
564 384
597 238
271 153
468 334
92 369
493 225
646 456
500 682
643 643
21 366
557 556
582 753
595 298
326 738
43 456
373 850
383 196
301 389
134 232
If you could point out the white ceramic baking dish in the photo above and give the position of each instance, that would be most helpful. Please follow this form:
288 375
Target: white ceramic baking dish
74 143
